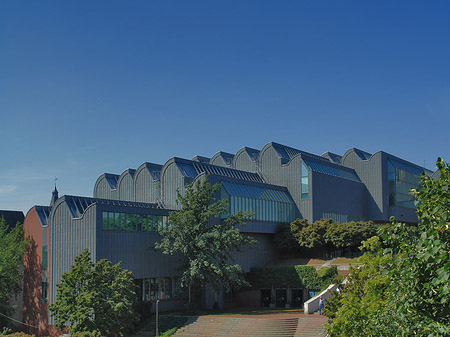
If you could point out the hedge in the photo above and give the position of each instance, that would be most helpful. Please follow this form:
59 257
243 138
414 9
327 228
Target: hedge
305 277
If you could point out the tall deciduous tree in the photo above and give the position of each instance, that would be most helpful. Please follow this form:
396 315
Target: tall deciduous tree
12 249
96 297
204 233
408 282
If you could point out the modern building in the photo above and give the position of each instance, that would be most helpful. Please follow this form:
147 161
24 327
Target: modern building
277 183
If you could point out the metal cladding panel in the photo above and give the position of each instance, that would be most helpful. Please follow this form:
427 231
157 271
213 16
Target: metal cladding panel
253 226
126 187
134 249
222 159
243 161
68 238
337 195
288 175
146 187
271 167
257 255
371 174
103 189
171 180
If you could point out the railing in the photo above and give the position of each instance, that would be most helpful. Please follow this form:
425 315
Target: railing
312 305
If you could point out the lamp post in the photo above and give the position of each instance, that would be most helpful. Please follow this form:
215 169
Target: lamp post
157 302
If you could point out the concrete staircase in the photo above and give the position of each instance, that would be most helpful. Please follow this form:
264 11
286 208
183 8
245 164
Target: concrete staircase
311 326
221 326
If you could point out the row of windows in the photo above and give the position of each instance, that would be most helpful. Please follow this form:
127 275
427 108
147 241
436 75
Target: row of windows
114 221
341 217
264 210
156 288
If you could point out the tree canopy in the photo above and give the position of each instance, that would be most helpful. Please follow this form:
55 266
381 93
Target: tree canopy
326 235
204 233
408 282
95 297
12 249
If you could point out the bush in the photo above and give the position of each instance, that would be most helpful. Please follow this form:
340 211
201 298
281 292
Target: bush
18 334
291 276
94 333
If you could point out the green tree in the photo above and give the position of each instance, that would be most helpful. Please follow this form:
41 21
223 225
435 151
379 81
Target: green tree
349 235
204 233
12 249
95 297
409 280
310 235
284 239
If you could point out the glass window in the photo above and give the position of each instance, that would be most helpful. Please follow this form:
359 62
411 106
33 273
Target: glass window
105 220
117 221
304 182
111 220
44 257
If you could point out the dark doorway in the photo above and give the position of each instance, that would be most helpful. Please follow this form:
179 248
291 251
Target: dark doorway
265 297
281 297
297 298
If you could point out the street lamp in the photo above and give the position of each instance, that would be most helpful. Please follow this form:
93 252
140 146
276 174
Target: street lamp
157 302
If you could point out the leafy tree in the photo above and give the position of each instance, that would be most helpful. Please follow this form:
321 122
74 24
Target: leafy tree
310 235
409 281
95 297
12 249
351 312
284 239
349 235
204 233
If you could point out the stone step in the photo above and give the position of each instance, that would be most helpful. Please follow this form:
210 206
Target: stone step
223 326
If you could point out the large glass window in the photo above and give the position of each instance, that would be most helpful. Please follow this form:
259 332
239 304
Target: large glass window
305 184
114 221
400 181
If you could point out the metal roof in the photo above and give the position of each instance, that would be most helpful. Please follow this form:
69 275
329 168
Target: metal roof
78 205
406 167
252 153
193 169
362 154
226 172
201 159
112 180
288 153
43 212
254 192
332 170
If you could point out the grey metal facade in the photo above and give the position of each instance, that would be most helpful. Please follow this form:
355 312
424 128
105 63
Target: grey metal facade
278 183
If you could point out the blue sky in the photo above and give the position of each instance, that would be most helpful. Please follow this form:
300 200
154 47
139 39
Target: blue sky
88 87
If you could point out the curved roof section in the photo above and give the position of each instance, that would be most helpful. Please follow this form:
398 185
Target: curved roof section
333 157
112 180
226 157
287 153
153 169
252 153
192 169
363 155
201 159
332 169
78 205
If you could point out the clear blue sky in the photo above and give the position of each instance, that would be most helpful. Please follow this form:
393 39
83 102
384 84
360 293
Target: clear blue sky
88 87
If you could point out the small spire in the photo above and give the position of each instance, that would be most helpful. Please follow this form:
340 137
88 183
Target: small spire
54 194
